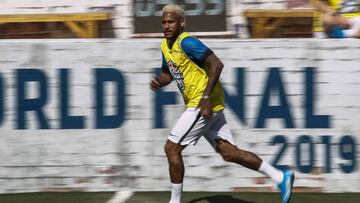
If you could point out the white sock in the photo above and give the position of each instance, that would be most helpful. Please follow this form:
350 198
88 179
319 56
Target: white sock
176 190
276 175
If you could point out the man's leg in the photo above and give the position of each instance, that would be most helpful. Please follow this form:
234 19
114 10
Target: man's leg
231 153
187 130
176 164
176 169
247 159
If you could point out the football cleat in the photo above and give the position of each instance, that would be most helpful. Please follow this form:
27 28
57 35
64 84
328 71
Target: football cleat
286 186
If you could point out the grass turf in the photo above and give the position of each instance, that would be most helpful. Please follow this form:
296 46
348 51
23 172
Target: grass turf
223 197
57 197
188 197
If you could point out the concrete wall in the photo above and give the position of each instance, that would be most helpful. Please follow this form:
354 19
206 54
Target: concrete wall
78 115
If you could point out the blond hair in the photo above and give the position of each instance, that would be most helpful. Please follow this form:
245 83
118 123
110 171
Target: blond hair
174 8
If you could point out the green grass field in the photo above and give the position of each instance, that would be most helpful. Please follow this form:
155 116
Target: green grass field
188 197
57 197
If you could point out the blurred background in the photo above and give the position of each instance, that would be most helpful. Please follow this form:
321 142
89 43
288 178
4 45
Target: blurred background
78 122
131 19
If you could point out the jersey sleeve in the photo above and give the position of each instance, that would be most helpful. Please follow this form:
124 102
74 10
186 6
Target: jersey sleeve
164 66
195 50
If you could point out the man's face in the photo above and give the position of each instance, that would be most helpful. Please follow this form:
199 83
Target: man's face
171 24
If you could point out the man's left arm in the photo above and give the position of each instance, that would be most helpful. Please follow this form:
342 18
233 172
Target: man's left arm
214 68
204 57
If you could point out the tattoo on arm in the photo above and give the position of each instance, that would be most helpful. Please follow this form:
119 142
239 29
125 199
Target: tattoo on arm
214 68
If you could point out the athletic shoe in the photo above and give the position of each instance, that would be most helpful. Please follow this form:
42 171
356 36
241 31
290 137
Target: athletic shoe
286 186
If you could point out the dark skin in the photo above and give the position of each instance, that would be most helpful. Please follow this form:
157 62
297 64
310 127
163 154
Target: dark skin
173 26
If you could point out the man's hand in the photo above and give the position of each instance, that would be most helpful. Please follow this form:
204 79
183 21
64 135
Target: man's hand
154 85
158 82
215 67
205 107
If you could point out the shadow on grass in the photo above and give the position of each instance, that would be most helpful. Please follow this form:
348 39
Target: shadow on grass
219 199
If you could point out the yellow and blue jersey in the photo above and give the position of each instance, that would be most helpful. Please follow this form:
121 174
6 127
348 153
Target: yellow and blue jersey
185 62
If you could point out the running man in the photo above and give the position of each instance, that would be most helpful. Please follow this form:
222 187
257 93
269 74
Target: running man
196 70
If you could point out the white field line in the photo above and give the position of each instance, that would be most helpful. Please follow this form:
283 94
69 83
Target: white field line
121 196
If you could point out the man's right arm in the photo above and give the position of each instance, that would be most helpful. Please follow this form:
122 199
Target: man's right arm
160 81
163 79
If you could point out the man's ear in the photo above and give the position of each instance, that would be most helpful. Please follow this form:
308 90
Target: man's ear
182 22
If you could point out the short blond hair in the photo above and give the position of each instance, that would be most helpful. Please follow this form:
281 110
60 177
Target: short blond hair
174 8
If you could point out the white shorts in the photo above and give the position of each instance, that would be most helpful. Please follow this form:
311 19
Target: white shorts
191 126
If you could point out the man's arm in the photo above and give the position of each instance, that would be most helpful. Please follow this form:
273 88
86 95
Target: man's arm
205 58
163 79
214 68
160 81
